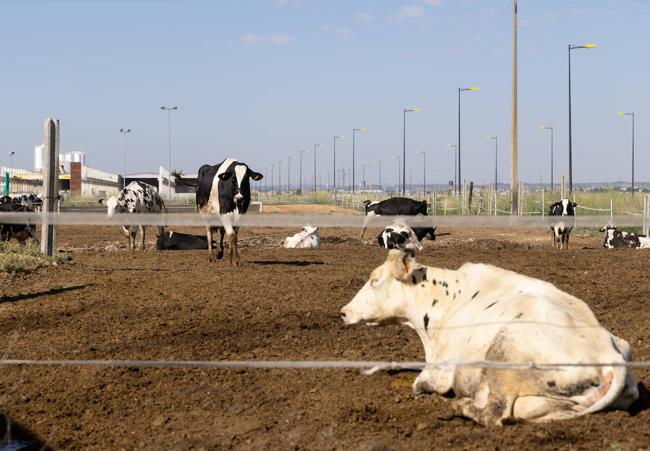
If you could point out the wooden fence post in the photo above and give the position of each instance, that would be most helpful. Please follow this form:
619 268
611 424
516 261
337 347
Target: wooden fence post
50 183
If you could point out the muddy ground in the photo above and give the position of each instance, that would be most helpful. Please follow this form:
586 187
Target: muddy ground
282 304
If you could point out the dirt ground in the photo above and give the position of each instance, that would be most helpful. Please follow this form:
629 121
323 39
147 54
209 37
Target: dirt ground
281 304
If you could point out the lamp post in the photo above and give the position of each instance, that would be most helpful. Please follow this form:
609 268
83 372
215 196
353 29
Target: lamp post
289 158
11 158
378 163
453 146
315 147
335 138
573 47
460 180
300 181
169 142
399 172
124 132
496 160
623 113
424 170
406 110
354 131
548 127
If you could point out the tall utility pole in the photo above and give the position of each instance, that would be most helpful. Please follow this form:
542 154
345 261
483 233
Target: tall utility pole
406 110
514 158
424 170
315 147
169 142
124 132
289 158
335 138
301 152
547 127
496 160
354 130
623 113
378 163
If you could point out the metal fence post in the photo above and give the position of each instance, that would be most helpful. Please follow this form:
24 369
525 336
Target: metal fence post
50 183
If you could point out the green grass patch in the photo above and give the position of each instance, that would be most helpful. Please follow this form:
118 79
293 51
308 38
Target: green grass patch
17 258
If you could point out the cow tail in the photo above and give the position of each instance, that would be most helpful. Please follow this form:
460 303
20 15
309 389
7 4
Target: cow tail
178 178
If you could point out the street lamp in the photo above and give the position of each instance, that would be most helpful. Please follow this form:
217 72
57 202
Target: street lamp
399 172
573 47
169 142
453 146
406 110
623 113
124 132
11 158
378 163
460 180
300 181
424 170
496 160
335 138
548 127
315 147
354 130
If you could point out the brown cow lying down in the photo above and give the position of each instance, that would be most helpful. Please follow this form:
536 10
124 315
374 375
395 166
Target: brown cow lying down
481 312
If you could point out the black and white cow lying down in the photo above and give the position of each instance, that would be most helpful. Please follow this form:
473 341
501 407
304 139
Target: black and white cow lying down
400 236
224 190
20 232
136 197
620 238
560 231
395 206
481 312
176 241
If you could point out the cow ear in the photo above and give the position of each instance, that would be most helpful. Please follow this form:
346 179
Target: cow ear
256 176
574 205
225 175
102 202
401 263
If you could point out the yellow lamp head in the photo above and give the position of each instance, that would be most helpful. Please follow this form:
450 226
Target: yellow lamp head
474 88
590 46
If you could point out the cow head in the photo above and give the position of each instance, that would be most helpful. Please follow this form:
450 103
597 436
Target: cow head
563 207
239 175
382 298
610 233
398 236
114 205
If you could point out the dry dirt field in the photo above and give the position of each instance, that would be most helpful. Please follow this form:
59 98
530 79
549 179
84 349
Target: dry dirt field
281 304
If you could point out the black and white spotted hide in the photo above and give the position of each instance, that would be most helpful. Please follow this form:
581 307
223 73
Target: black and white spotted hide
136 197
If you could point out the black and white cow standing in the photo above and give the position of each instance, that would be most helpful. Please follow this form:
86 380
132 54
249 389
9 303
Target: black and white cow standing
136 197
395 206
560 231
223 189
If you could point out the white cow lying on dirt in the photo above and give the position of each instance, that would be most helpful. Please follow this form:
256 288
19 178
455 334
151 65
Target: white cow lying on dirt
481 312
307 238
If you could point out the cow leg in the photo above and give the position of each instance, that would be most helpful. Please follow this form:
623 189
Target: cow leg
208 234
142 230
133 231
567 241
232 249
222 233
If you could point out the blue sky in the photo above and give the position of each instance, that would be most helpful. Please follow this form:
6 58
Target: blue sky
262 80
